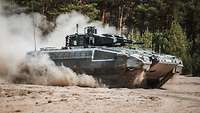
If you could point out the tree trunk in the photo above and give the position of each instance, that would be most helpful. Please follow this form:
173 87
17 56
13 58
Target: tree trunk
103 16
120 19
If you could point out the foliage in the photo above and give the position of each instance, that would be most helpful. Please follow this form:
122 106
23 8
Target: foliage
178 45
147 39
53 8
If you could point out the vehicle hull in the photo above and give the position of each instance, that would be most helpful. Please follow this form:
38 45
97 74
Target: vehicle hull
114 68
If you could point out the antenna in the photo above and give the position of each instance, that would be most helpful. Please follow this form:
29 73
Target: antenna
34 31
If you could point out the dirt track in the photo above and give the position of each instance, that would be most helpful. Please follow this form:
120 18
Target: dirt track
179 95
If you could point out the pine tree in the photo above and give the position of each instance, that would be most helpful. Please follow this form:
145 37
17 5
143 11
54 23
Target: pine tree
178 44
147 39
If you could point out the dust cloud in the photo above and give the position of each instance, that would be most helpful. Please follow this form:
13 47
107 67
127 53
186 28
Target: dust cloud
43 71
16 39
139 78
66 24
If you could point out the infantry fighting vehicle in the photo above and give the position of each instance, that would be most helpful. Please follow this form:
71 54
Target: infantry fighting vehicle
105 57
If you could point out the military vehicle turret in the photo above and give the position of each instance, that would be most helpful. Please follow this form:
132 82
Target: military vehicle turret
105 57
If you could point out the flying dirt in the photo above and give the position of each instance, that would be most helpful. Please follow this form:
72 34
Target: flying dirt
42 71
17 38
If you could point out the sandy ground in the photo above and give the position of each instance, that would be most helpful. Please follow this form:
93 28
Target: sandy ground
179 95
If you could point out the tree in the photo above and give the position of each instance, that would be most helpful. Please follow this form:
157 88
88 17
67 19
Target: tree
192 25
147 39
178 44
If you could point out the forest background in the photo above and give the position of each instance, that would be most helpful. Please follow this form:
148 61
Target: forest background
165 26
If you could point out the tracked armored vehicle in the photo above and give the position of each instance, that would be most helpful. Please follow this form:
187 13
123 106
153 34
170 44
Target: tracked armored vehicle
105 57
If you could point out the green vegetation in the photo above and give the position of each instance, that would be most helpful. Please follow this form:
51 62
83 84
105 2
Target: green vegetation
166 26
178 45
